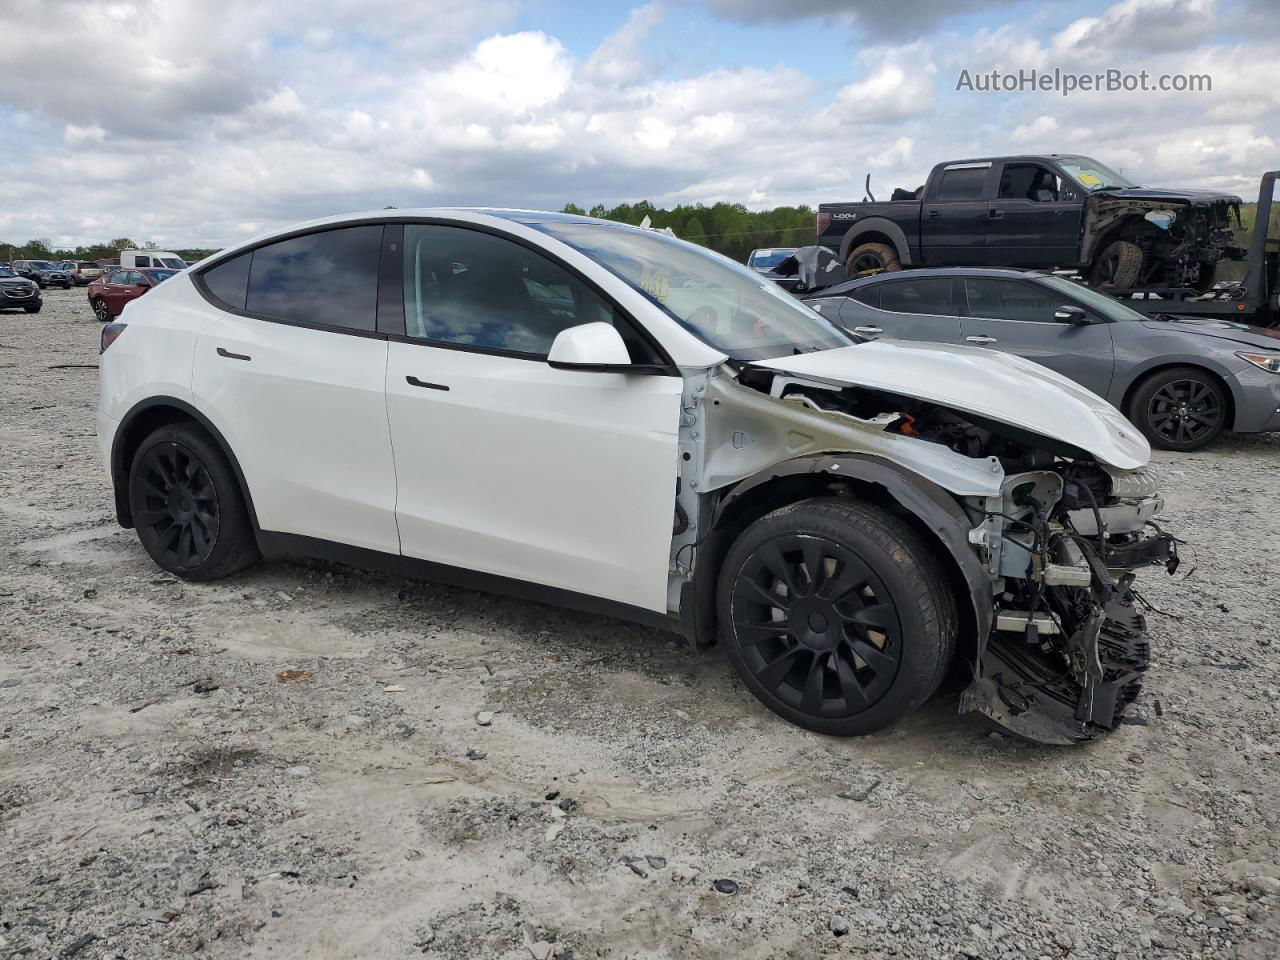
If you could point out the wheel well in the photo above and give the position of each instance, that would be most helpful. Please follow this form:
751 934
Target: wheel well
1147 375
142 423
872 236
780 492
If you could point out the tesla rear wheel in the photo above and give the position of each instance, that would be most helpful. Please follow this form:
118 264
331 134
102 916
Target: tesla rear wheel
100 310
1180 409
187 506
836 615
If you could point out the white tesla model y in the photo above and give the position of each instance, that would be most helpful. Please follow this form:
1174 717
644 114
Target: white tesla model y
602 416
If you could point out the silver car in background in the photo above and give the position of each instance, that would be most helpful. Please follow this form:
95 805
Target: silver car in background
1182 381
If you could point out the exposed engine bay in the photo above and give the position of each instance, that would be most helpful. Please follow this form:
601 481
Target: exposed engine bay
1057 534
1180 241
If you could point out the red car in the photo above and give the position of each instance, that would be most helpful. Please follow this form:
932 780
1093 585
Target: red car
111 291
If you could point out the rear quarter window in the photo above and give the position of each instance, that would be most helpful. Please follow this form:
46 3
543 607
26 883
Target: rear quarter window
228 282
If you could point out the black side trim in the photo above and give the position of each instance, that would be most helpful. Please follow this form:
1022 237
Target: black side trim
124 439
391 282
280 545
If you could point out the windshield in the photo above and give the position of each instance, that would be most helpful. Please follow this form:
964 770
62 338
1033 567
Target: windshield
1108 306
6 272
173 262
721 302
768 259
1093 175
156 276
41 265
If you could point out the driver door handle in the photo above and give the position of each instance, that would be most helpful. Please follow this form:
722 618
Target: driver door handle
995 214
415 382
871 330
981 339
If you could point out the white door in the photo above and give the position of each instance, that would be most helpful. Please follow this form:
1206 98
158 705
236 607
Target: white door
304 407
506 465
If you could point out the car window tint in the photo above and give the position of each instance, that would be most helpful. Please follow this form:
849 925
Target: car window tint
870 295
466 287
328 278
965 184
142 261
228 282
1010 300
925 295
1029 181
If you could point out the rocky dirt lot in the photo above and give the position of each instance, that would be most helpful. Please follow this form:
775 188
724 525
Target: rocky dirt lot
313 761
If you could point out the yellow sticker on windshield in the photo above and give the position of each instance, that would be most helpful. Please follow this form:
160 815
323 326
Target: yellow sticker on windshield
1089 180
656 283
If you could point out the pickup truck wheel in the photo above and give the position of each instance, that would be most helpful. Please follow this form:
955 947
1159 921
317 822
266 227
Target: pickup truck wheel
871 258
1182 408
836 615
1118 268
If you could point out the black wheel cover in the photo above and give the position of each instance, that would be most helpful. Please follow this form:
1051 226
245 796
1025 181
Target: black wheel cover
1185 411
816 626
179 516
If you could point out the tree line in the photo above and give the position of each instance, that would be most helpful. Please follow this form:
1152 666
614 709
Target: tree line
727 228
41 249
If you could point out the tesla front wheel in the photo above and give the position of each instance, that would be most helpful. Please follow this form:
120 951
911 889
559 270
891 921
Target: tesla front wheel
836 615
187 506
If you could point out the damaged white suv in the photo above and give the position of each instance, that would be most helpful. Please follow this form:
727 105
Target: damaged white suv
601 416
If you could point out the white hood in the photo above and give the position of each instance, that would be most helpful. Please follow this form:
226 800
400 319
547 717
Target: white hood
998 386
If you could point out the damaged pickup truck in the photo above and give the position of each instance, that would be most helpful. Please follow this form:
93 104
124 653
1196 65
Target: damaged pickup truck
601 416
1060 211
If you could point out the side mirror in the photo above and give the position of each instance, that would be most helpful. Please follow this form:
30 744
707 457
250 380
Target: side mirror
1070 313
590 346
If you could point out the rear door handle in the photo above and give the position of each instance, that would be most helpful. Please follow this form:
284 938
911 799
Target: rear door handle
981 339
415 382
995 214
867 330
934 214
233 356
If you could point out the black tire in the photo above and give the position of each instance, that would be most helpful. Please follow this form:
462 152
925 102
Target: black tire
1181 408
35 309
873 640
1207 276
871 258
1118 267
187 506
101 310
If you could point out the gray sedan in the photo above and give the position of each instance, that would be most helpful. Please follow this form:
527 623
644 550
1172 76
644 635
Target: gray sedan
1181 381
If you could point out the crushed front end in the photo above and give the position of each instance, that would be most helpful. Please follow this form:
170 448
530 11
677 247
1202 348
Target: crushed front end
1068 648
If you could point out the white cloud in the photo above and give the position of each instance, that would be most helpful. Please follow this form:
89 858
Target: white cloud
235 124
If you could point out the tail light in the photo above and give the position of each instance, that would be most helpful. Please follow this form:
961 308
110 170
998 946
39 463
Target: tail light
824 221
109 334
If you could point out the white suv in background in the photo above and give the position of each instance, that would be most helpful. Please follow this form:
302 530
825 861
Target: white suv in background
602 416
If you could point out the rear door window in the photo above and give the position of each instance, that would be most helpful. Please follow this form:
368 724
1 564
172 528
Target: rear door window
931 295
319 279
869 295
963 183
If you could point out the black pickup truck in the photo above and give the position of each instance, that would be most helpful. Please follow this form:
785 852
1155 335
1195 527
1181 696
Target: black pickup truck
1057 210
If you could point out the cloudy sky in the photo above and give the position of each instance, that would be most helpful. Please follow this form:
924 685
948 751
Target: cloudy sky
195 123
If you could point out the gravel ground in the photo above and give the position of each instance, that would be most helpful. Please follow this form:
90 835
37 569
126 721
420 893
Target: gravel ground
312 761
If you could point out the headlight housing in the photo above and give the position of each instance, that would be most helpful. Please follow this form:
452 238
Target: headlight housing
1269 362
